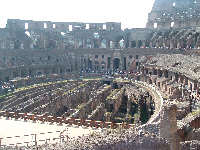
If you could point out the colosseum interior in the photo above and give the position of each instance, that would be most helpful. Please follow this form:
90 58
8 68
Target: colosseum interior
141 86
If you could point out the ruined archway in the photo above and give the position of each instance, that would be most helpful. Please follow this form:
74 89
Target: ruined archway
116 63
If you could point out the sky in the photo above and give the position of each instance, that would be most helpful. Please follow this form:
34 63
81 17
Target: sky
131 13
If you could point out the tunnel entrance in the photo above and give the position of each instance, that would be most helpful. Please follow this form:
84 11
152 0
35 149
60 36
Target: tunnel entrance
116 63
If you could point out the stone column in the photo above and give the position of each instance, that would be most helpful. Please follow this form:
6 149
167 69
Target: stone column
107 43
84 43
168 125
171 44
129 44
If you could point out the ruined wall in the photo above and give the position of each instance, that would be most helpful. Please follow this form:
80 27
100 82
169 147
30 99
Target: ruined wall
174 13
60 26
28 34
22 63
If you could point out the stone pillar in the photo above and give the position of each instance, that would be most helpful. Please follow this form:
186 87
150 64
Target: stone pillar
107 43
180 80
84 43
129 44
45 43
171 44
137 44
168 125
76 43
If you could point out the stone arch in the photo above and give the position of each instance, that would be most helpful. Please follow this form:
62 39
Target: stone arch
96 65
155 72
160 73
103 43
103 65
166 74
133 44
150 81
89 64
139 44
116 63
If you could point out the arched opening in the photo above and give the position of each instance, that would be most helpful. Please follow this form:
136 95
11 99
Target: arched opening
121 43
70 27
176 77
160 73
89 64
155 25
87 27
139 44
166 74
150 81
96 65
133 44
111 44
172 24
88 43
155 72
103 43
45 25
96 35
103 65
104 26
26 26
116 63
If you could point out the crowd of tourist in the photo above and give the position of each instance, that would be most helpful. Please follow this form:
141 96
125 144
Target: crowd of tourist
6 87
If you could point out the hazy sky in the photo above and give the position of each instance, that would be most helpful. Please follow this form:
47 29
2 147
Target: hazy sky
131 13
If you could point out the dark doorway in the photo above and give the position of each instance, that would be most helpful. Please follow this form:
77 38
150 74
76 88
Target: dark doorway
116 63
89 64
109 62
139 44
124 63
133 44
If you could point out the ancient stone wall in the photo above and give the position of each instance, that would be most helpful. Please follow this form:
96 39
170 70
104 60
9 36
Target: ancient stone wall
22 63
168 14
